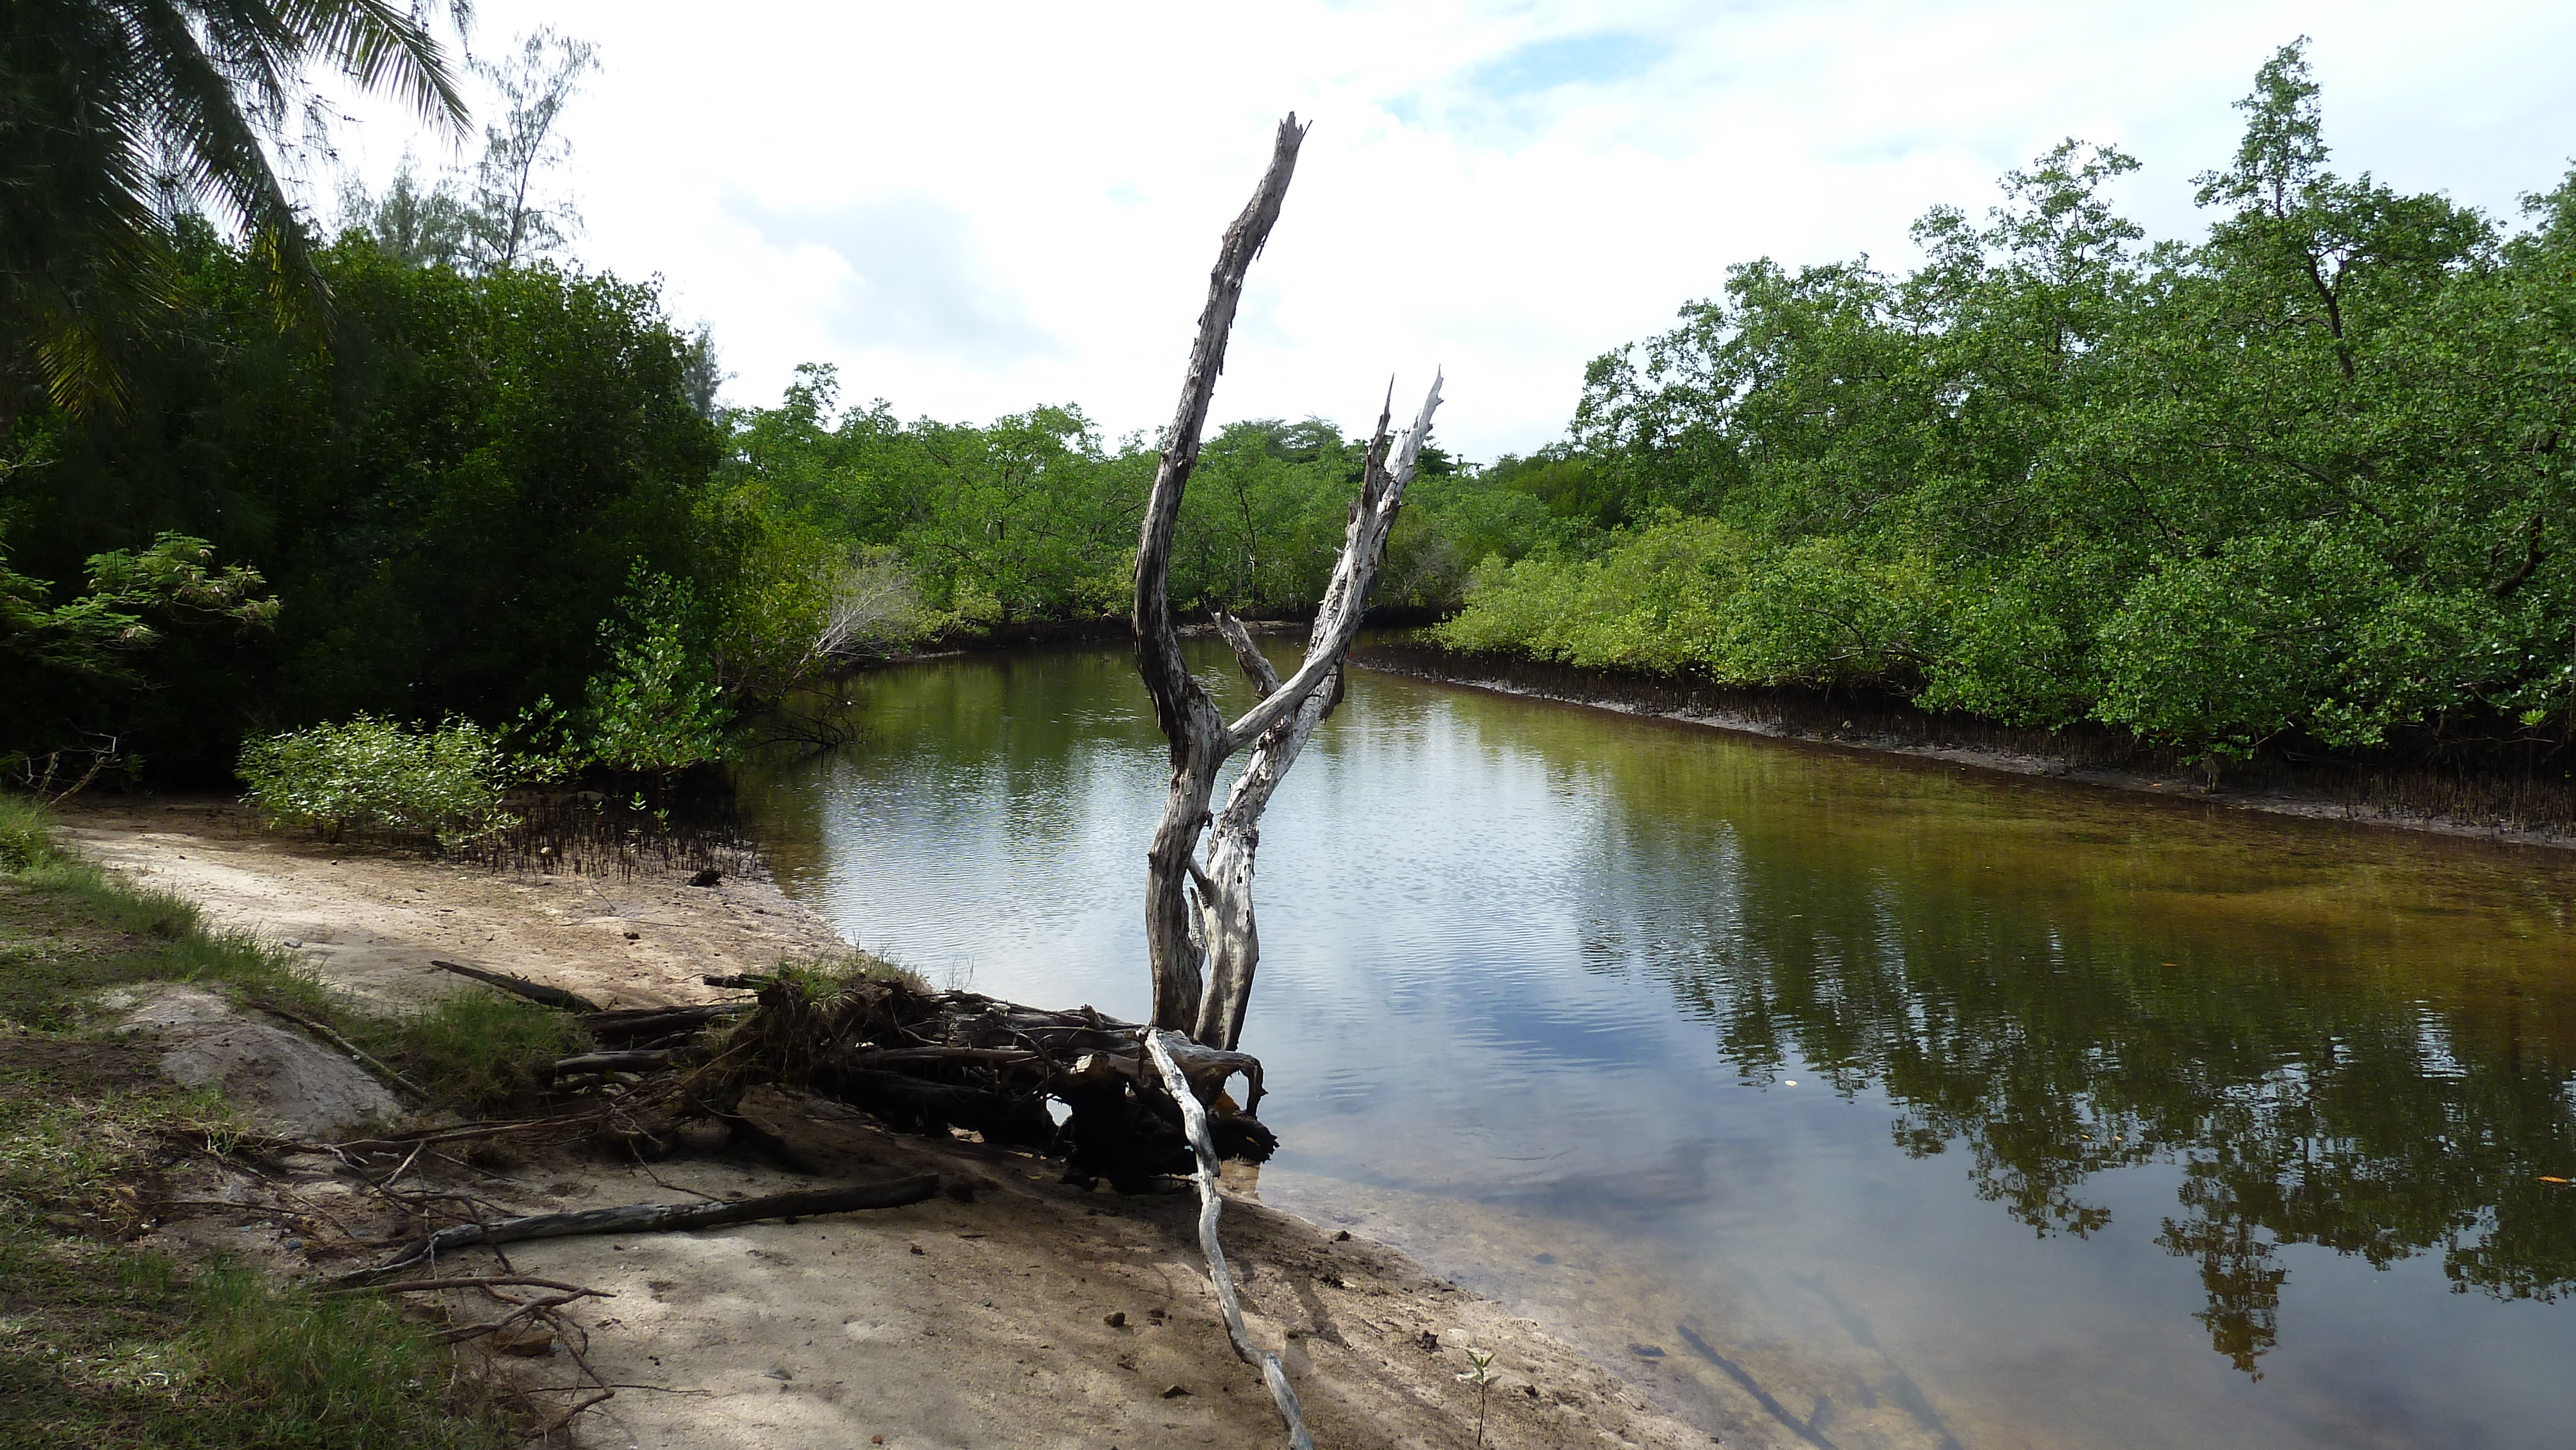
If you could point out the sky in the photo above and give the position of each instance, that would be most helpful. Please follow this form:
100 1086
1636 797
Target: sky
972 210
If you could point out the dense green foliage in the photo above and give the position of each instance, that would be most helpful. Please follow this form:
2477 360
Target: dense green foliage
2298 478
493 492
374 774
656 707
448 501
2302 476
1035 516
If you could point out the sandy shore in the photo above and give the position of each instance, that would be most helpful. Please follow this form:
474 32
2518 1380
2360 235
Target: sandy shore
1033 1315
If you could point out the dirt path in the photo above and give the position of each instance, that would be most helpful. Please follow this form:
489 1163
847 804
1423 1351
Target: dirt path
1035 1314
371 922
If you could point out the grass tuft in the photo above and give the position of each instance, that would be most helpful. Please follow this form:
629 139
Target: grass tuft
825 977
478 1051
24 839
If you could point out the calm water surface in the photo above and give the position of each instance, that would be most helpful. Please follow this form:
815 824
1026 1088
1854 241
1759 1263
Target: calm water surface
1844 1101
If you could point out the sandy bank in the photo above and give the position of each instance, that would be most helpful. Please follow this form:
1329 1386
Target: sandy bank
1034 1314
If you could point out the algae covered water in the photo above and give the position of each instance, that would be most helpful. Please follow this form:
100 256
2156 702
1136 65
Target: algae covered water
1844 1100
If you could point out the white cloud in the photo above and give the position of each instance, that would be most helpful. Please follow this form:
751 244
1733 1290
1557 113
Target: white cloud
975 209
911 279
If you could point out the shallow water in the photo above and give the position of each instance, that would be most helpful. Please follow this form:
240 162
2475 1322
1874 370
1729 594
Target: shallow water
1848 1100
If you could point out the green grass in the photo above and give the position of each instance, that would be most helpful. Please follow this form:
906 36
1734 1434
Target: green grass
822 978
480 1052
69 932
105 1345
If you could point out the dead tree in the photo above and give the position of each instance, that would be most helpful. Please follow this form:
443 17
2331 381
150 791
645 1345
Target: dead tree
1199 928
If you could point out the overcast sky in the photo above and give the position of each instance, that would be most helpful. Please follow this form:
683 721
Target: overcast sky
972 209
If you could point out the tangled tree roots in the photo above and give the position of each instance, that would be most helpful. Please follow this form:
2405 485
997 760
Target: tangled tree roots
928 1062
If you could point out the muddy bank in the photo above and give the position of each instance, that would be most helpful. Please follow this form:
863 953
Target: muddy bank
1013 1309
2530 809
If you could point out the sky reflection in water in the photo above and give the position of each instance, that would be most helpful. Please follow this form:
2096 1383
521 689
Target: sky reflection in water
2116 1121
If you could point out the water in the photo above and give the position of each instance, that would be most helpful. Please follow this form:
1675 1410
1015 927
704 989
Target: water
1841 1100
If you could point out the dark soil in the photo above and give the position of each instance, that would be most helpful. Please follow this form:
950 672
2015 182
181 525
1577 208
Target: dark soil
80 1069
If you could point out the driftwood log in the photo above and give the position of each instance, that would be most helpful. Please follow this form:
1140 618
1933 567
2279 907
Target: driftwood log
1077 1084
1165 1047
1200 941
537 992
664 1217
933 1062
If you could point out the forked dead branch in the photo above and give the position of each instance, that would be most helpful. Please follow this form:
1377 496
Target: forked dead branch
1202 943
1199 930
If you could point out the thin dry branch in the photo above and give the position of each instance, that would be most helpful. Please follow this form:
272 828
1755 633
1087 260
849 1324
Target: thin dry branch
663 1218
494 1281
1194 1116
1256 666
355 1052
537 992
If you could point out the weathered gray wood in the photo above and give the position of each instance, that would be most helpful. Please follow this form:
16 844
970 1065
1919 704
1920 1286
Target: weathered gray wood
1194 1117
1256 665
1228 933
1189 718
1337 619
644 1059
1198 918
537 992
665 1217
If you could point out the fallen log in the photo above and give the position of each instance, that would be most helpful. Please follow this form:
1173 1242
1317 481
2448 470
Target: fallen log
931 1062
629 1023
537 992
1273 1374
489 1281
640 1060
1015 1118
973 1056
642 1218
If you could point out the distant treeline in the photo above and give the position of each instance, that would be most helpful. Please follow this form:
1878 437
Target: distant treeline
2302 479
2305 479
470 489
1035 516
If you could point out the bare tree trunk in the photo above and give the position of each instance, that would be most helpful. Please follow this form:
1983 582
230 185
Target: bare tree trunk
1188 717
1186 998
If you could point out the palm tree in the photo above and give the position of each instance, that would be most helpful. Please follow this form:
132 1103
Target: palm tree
116 116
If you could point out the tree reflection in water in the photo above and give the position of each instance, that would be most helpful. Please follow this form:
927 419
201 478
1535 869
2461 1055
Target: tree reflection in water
2356 1040
2361 1066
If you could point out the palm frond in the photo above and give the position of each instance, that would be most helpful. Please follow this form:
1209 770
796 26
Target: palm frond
113 113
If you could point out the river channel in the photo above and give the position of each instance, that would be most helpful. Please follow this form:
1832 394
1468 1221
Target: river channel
1839 1099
